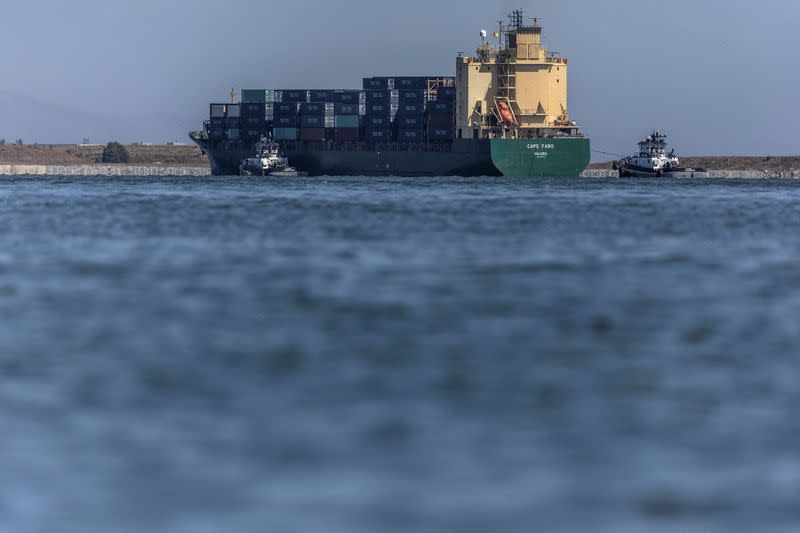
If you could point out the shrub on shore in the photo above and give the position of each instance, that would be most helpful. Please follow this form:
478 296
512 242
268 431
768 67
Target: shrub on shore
114 152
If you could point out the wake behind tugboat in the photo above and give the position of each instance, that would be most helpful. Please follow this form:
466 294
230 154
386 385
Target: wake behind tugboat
653 161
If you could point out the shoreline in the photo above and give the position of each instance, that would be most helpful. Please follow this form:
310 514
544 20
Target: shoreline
164 171
102 170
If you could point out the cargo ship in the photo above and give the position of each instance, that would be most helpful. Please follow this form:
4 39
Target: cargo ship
504 113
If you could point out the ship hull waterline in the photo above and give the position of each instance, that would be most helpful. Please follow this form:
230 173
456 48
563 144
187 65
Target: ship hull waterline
557 157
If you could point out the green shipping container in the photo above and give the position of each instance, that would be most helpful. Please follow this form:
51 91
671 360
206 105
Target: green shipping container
258 95
284 134
346 121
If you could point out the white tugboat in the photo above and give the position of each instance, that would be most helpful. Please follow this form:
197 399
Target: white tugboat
653 161
269 161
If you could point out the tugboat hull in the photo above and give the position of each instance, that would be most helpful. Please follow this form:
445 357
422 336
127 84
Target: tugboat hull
630 171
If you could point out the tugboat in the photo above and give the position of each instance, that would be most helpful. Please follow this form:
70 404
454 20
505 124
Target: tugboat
269 161
653 161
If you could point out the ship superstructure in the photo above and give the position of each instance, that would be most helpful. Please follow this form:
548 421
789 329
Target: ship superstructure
514 87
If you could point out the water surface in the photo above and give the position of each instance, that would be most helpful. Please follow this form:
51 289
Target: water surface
393 355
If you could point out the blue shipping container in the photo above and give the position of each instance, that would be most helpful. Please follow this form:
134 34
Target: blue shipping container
440 107
345 109
252 133
253 109
378 134
232 134
294 95
440 134
253 121
381 121
312 121
415 134
345 97
410 121
285 120
411 97
319 96
378 96
411 82
378 83
284 108
447 94
312 109
378 109
411 109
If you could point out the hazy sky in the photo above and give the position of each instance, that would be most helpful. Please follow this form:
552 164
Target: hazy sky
720 77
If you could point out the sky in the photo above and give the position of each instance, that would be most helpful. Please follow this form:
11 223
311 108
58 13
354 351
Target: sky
720 78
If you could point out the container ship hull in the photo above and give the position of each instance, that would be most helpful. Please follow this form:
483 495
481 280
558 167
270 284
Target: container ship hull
566 157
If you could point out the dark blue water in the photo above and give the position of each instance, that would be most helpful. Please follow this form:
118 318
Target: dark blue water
399 355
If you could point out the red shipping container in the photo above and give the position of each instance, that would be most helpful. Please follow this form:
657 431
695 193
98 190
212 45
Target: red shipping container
312 134
347 134
440 120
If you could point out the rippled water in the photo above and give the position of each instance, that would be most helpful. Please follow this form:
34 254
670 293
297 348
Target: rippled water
393 355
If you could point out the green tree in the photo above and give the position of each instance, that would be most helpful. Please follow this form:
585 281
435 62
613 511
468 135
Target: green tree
114 152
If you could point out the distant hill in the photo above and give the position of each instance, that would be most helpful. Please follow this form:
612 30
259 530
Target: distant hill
36 121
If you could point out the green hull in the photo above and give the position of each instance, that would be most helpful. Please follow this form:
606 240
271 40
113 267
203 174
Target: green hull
556 158
562 157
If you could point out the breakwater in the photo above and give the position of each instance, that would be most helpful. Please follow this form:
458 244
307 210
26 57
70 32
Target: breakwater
102 170
718 174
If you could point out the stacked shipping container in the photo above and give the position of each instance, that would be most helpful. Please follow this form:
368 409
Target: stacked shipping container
410 121
378 116
253 122
284 121
440 120
347 120
388 108
232 122
312 121
217 114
